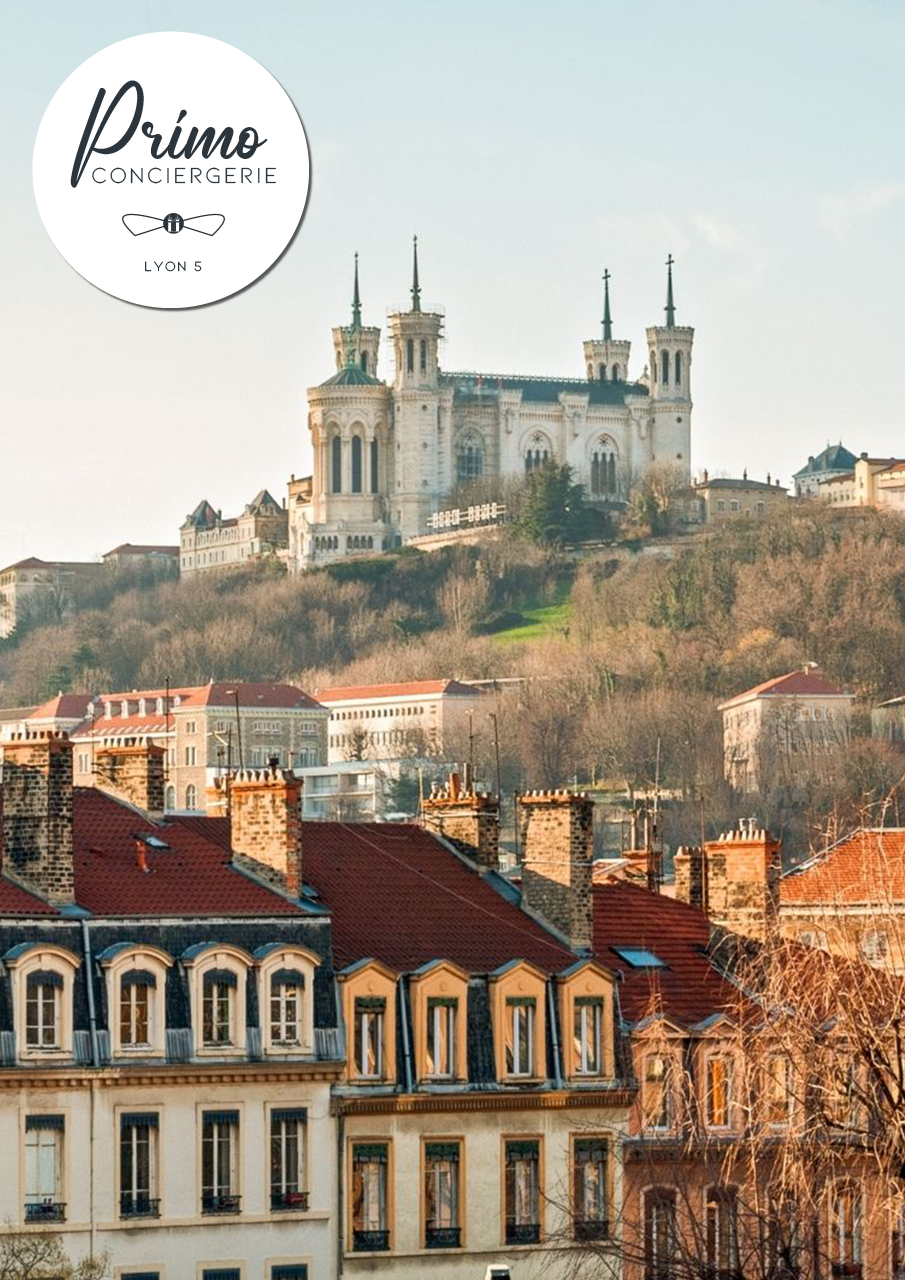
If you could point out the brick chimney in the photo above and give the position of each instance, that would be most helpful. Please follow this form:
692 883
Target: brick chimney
37 814
133 771
468 820
556 870
742 880
265 807
688 862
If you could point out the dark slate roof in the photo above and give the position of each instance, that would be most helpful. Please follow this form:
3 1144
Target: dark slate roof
835 457
542 389
352 375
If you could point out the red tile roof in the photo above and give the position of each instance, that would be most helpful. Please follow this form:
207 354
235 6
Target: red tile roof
868 867
412 689
139 549
687 988
221 694
794 684
116 726
65 706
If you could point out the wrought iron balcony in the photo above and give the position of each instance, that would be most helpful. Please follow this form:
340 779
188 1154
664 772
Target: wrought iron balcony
289 1201
138 1207
523 1233
370 1241
45 1211
221 1204
442 1237
591 1229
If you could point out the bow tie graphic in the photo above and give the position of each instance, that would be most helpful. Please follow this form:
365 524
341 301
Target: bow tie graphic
139 224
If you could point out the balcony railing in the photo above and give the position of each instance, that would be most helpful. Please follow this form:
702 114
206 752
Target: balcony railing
442 1237
370 1241
522 1233
221 1204
45 1211
591 1229
138 1207
289 1201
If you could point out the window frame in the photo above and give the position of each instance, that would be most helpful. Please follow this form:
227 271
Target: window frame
369 980
33 959
153 1197
436 1140
271 960
512 1139
275 1114
434 985
377 1140
519 981
119 961
61 1162
199 963
710 1058
235 1156
582 982
586 1231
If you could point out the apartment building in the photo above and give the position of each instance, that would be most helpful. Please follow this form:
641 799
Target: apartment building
397 721
208 542
870 482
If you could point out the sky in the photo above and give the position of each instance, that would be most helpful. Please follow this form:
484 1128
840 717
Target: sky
530 146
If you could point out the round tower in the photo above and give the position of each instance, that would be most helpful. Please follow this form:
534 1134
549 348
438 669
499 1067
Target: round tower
356 343
606 357
416 401
669 347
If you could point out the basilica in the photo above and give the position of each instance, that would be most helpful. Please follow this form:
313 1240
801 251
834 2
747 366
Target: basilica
388 455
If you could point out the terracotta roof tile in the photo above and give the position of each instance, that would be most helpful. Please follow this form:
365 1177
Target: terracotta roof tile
220 694
65 706
794 684
867 867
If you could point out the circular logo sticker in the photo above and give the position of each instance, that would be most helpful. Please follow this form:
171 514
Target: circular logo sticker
171 170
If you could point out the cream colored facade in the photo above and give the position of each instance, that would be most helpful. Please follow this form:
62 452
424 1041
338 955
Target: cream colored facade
874 482
35 591
392 722
208 543
388 454
725 499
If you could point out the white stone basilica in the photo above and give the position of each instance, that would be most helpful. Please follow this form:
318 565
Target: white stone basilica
387 455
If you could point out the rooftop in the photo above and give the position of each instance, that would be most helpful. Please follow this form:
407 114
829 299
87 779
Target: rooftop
835 457
867 867
542 389
412 689
796 684
65 706
140 549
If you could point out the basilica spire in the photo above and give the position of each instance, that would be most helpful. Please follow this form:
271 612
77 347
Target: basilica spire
356 300
416 287
607 318
670 304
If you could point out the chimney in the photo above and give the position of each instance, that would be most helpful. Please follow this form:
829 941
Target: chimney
37 814
265 808
556 870
644 857
133 771
469 821
743 869
688 863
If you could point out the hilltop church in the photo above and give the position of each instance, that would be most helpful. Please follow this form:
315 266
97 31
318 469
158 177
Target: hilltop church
388 455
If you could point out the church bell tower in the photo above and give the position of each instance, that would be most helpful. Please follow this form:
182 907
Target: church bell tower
669 346
606 357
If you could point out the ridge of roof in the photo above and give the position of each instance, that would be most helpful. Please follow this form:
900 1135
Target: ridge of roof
411 688
792 684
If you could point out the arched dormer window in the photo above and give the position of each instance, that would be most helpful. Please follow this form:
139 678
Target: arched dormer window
519 1020
375 466
356 464
369 1011
439 994
136 978
42 981
678 368
470 457
665 363
217 982
336 465
286 998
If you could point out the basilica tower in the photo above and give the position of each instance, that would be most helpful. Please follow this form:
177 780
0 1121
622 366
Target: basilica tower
670 346
356 343
416 404
606 357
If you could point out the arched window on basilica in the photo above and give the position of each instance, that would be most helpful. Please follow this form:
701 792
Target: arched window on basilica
356 464
364 361
336 465
538 452
470 457
604 482
665 378
375 463
678 368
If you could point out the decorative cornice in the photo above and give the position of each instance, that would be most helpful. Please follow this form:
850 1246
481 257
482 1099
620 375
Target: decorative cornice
187 1073
420 1104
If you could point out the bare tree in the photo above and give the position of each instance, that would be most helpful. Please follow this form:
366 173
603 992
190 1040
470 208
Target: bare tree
40 1257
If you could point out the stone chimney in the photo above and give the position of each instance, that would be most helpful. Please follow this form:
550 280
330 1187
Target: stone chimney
688 863
265 808
742 880
556 869
133 771
467 819
37 814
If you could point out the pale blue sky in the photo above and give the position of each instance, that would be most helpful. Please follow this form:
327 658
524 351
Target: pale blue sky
529 146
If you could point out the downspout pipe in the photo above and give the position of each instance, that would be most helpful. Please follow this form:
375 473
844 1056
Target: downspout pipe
551 1014
89 983
406 1048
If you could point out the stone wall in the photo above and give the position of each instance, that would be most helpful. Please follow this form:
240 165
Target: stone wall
37 814
556 873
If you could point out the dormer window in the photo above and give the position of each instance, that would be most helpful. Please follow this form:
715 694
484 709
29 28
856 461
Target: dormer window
43 990
136 992
520 1019
441 1037
369 1035
586 1013
369 1014
286 994
218 1009
160 706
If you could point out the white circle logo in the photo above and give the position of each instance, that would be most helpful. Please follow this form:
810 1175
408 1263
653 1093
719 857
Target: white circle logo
171 170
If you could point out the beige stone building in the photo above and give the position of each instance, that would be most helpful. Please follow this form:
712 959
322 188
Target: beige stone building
200 732
396 721
784 723
162 561
710 501
208 543
873 482
34 591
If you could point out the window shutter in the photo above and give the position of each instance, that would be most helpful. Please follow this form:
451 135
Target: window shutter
139 1119
366 1151
295 1271
220 1117
225 977
139 978
45 1122
290 1113
44 978
441 1150
375 1003
288 978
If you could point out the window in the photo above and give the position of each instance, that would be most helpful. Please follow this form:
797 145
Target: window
191 756
136 989
44 1169
218 1008
169 801
441 1037
722 1232
43 990
520 1012
657 1092
190 796
290 1271
589 1192
659 1234
875 946
442 1226
410 355
522 1192
221 1273
718 1099
639 957
287 1159
589 1035
665 362
286 994
423 356
356 464
470 459
678 368
370 1219
720 504
778 1089
845 1231
190 726
336 464
369 1019
138 1165
219 1162
375 473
